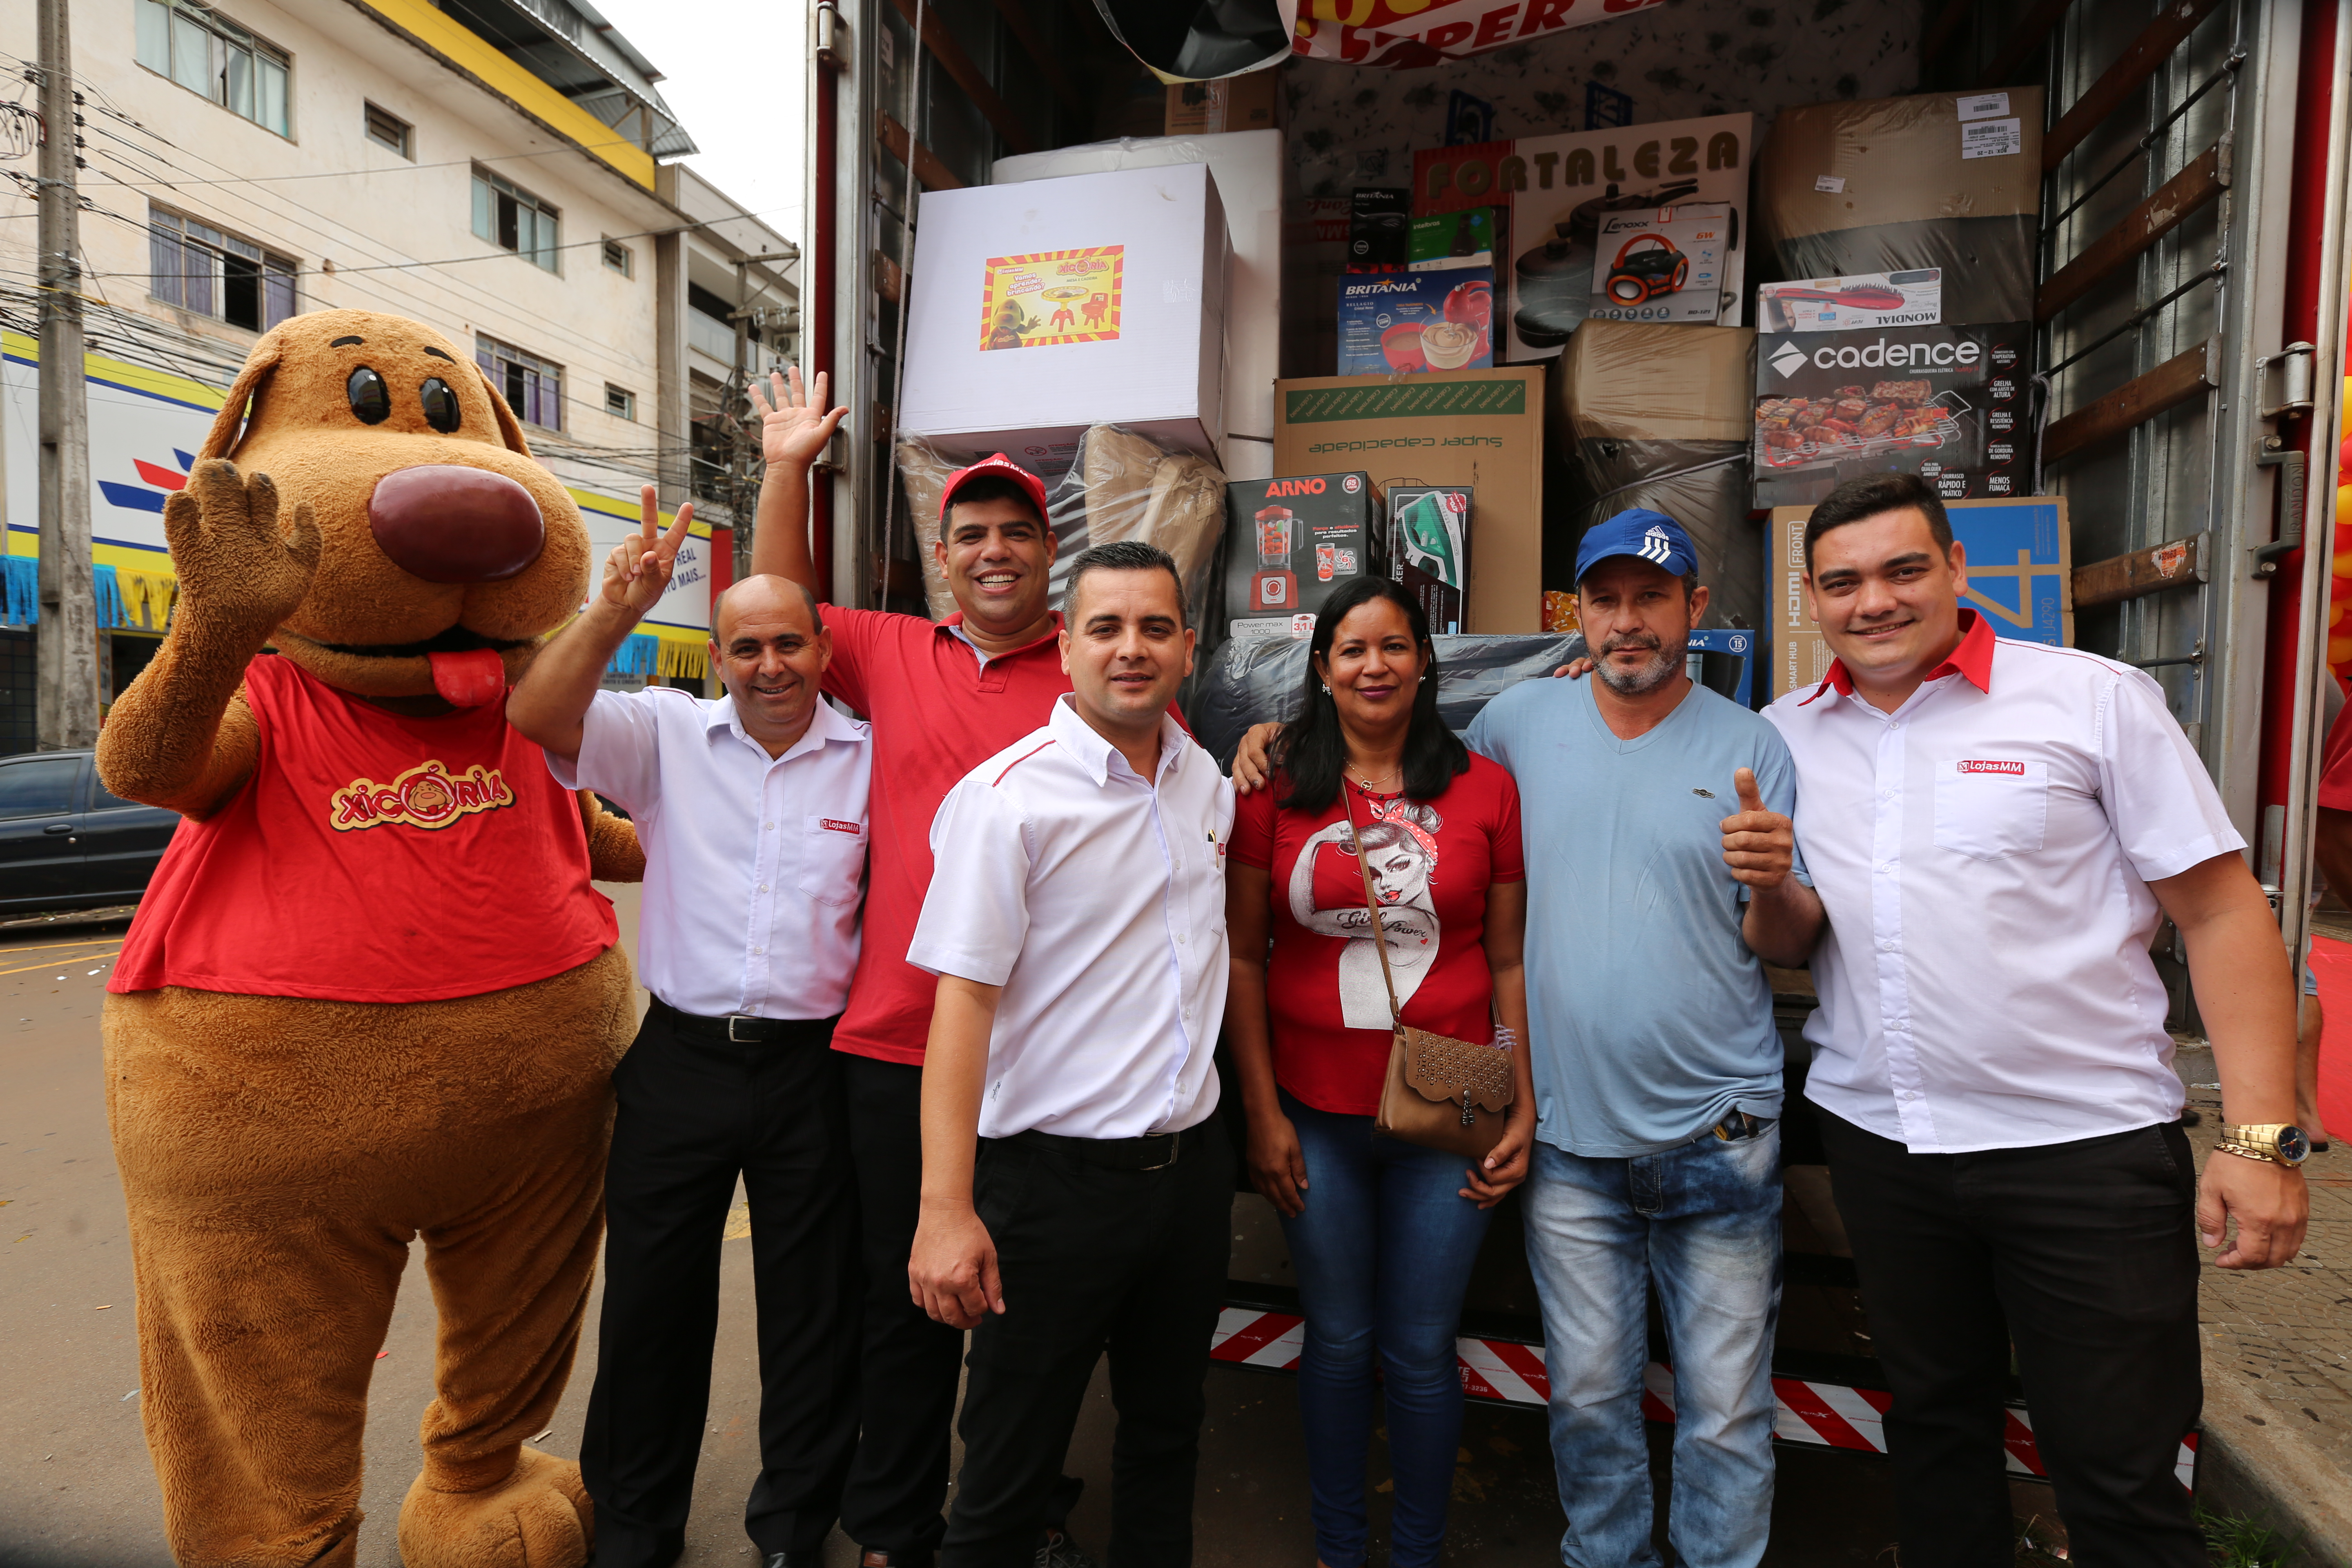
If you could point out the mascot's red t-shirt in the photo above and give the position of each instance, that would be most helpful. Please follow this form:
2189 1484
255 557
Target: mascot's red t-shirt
373 858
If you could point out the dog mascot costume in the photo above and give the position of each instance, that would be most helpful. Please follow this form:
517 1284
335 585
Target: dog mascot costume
371 994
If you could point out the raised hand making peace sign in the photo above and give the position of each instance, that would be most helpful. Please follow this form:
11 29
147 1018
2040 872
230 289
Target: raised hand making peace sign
638 570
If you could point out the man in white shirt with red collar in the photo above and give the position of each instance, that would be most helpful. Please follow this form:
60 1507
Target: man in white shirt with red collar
1995 830
1075 920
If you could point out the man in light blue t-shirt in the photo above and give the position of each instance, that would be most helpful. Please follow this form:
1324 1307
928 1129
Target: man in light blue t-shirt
1660 864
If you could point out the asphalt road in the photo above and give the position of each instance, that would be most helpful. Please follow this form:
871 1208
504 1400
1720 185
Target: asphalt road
76 1489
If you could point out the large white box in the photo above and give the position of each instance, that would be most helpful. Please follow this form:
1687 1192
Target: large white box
1045 306
1248 166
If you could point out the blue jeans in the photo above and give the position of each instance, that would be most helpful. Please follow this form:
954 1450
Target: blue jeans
1703 1220
1383 1254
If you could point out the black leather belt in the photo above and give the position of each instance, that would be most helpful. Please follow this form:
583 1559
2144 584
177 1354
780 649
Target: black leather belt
739 1028
1152 1152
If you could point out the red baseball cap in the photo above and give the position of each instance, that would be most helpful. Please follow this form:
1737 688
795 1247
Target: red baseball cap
1031 484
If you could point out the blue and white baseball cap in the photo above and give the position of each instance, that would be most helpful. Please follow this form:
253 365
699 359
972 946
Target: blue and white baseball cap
1653 536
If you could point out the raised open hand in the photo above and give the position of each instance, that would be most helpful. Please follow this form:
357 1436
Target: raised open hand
638 570
237 568
794 425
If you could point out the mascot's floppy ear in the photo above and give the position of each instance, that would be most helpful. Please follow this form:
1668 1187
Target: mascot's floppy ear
509 427
221 439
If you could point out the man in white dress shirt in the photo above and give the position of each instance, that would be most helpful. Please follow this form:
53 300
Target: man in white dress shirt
1075 920
1995 829
751 810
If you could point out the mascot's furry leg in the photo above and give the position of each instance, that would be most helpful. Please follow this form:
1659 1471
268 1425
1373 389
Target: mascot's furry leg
271 1159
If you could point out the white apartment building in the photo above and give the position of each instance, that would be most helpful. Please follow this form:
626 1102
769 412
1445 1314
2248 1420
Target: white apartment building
494 168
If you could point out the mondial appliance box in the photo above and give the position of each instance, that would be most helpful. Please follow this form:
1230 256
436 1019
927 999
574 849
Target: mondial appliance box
1289 543
1478 430
1947 403
1428 549
1044 307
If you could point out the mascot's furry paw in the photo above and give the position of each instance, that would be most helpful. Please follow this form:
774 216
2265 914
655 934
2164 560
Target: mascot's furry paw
539 1517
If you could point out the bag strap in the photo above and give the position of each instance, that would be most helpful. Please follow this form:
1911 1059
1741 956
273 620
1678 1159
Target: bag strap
1371 903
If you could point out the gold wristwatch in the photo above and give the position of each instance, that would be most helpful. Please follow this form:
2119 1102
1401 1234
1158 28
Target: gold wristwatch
2280 1142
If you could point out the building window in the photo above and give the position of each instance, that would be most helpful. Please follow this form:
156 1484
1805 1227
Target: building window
619 258
391 130
532 388
620 405
509 217
199 268
206 52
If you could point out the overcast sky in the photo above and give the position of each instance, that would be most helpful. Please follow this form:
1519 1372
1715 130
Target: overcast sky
733 71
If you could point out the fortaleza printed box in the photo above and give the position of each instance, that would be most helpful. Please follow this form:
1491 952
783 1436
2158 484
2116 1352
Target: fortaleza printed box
1289 543
1555 192
2021 577
1948 403
1480 429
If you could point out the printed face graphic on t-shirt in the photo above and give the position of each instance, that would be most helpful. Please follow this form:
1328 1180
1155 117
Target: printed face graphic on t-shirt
1327 896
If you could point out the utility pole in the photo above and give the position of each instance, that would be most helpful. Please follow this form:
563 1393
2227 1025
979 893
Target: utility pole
66 644
745 471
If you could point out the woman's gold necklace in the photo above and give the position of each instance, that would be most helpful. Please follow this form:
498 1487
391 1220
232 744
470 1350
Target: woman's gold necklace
1370 787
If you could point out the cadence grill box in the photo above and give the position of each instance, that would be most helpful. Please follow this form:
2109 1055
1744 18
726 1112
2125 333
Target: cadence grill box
1290 542
1947 403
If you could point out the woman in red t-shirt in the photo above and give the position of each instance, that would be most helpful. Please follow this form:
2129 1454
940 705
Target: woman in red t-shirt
1382 1233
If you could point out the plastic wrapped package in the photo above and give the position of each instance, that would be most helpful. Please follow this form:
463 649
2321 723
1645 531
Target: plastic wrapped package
1250 682
1122 486
1944 180
1661 417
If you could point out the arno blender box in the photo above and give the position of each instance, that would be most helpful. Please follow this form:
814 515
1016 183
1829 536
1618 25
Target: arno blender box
1480 429
1289 543
1429 550
2021 578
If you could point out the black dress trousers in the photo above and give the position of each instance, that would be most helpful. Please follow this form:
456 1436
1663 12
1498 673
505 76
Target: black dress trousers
2081 1255
912 1365
697 1110
1092 1259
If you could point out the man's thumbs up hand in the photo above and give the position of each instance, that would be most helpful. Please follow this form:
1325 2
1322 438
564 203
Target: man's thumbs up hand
1758 845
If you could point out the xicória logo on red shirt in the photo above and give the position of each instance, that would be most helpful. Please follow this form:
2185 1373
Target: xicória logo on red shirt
2014 769
428 796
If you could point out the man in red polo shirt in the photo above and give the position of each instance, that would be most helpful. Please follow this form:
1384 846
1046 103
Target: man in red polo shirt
942 697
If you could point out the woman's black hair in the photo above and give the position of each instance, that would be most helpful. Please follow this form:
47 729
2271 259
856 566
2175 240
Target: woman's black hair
1311 751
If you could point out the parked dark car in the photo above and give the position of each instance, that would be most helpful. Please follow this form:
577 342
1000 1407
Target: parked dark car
66 843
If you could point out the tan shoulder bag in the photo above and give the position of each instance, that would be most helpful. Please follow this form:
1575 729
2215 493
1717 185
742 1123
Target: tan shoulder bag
1441 1092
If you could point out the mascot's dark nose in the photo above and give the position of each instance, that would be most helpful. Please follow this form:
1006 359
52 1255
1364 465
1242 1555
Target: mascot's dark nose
449 523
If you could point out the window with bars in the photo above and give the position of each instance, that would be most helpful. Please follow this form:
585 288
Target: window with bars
512 217
619 401
206 52
619 258
388 130
200 269
532 388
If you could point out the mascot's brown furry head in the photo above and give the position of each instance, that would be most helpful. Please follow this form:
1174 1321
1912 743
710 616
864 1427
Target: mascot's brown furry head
446 550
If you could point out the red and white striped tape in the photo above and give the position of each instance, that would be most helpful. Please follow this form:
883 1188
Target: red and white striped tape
1503 1371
